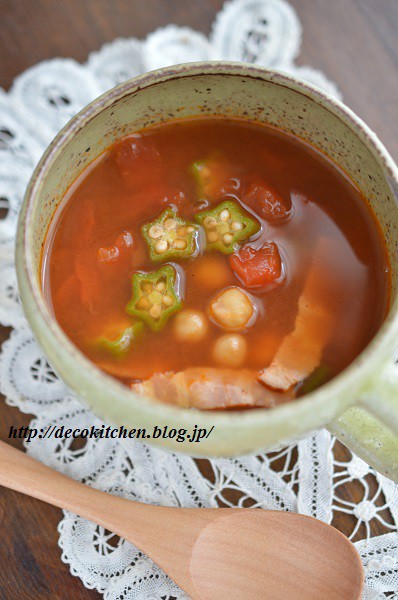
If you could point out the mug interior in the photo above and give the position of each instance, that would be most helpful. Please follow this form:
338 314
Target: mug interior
228 90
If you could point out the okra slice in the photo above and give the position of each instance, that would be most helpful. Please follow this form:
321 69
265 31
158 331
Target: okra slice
154 298
213 177
319 376
226 226
169 237
202 176
120 346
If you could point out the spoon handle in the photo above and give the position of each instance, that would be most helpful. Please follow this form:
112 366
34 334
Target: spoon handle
24 474
165 534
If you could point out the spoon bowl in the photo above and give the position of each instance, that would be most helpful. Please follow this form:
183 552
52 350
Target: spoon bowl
210 553
270 554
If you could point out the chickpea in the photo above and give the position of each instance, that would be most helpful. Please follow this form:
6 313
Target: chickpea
230 350
232 308
190 326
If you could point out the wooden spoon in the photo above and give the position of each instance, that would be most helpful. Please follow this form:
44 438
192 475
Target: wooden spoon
209 552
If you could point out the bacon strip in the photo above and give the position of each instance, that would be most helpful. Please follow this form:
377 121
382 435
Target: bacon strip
207 389
301 351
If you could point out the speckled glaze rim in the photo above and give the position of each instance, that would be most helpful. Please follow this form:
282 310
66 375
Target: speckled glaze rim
321 404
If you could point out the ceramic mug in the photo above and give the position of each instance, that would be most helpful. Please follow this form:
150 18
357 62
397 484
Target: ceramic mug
360 405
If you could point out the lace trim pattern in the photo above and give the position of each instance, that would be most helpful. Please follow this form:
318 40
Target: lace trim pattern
305 477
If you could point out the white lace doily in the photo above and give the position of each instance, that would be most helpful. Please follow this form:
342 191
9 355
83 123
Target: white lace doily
306 477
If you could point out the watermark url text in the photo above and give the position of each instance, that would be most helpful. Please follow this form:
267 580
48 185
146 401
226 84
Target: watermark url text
195 435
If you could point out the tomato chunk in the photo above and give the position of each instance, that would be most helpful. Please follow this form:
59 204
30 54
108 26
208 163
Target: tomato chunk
138 160
256 268
266 201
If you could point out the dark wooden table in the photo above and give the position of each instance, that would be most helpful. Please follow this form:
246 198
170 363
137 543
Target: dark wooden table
355 42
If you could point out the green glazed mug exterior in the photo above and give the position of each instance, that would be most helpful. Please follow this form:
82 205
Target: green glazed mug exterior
360 405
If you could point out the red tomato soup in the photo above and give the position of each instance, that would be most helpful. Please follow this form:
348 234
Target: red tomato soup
216 264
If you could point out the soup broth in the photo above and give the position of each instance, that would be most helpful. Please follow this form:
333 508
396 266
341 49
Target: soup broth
217 264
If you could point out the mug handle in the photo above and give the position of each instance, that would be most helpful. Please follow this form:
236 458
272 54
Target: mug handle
371 429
